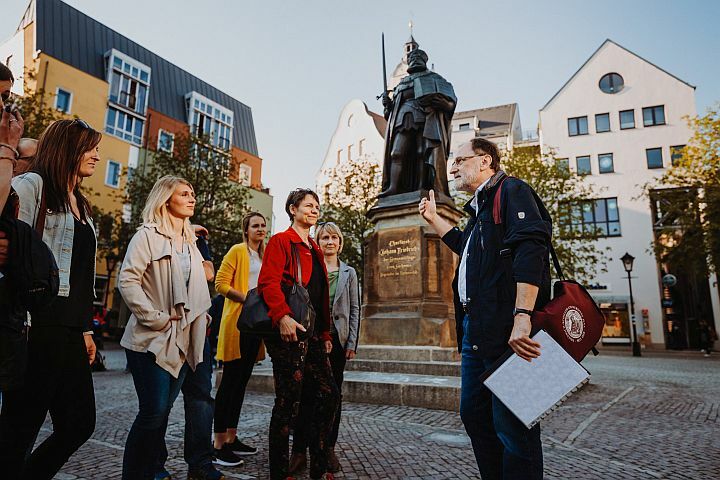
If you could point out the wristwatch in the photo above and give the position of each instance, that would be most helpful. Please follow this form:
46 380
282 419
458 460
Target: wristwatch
521 310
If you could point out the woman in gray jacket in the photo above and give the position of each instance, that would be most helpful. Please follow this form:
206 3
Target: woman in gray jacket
345 308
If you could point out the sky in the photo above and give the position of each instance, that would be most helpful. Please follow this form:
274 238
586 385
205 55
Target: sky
297 63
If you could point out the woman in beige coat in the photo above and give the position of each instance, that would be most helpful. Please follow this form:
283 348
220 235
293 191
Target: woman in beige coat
162 280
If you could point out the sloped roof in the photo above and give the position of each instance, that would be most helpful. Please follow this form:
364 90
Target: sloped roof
492 121
379 120
73 37
595 53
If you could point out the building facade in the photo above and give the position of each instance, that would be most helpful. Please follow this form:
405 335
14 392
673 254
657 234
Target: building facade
138 99
620 121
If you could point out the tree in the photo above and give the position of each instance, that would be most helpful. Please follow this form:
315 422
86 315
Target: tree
687 199
351 191
221 201
565 195
35 107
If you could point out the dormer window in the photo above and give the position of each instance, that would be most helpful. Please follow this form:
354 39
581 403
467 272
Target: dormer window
210 119
128 96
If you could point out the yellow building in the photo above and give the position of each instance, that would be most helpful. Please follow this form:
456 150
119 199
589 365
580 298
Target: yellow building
136 98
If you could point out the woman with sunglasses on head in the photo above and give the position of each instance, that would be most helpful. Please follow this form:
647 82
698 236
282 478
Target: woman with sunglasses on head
238 273
300 364
162 280
344 329
60 348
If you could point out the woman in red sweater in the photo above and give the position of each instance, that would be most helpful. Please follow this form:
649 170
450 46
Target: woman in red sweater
300 363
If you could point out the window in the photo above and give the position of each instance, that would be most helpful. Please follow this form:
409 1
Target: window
602 122
464 126
127 101
63 100
598 218
361 145
245 174
350 152
605 163
210 119
627 119
577 126
123 125
676 154
611 83
563 164
339 156
583 165
653 116
112 174
654 157
166 141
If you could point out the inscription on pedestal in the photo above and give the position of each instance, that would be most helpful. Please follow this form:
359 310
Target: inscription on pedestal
399 263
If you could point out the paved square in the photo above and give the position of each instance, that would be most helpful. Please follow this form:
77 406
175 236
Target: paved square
639 418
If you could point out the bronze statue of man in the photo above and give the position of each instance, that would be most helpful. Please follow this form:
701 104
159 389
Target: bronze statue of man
417 139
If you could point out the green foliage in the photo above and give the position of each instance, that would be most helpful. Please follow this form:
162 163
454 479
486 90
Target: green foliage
221 202
350 192
36 108
687 201
562 191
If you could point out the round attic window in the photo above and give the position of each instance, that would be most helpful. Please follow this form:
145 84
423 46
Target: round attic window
611 83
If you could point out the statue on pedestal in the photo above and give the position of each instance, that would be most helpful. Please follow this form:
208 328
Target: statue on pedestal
417 139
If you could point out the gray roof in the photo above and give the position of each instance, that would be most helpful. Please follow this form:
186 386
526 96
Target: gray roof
607 40
72 37
492 121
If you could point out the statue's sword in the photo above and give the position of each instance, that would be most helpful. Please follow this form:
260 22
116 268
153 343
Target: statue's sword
385 89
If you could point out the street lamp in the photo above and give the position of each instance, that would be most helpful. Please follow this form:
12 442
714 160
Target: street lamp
627 261
111 259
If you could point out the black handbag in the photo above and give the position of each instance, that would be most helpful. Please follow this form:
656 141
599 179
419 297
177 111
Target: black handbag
254 318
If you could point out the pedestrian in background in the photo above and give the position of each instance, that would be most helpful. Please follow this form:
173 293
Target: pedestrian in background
238 273
494 301
61 348
163 282
299 362
344 329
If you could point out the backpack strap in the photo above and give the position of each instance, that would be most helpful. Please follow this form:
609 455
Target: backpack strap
544 214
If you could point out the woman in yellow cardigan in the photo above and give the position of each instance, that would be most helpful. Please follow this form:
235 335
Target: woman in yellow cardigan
237 274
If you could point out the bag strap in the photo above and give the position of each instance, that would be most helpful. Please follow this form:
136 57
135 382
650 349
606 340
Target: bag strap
544 214
40 221
298 266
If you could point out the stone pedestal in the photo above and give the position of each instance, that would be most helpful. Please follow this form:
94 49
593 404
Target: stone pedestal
407 292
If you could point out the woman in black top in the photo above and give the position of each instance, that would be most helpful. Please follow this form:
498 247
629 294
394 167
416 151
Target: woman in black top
60 346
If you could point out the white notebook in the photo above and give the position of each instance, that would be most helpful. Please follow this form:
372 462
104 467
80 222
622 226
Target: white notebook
531 390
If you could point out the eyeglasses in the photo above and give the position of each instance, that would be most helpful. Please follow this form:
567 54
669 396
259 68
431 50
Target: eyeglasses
460 160
82 123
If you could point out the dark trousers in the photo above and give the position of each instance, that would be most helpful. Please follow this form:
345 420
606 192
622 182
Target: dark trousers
58 381
337 364
157 390
504 448
298 366
199 405
235 377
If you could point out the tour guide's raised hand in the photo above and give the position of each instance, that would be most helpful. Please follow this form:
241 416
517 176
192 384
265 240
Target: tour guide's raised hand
428 208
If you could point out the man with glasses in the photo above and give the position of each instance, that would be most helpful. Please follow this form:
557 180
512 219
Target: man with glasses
502 276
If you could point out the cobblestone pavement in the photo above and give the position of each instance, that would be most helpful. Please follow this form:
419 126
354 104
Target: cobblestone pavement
638 418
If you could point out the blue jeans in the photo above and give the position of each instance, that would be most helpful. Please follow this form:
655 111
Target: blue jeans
504 448
156 389
199 408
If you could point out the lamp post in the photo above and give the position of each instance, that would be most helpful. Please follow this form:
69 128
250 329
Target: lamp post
111 260
627 261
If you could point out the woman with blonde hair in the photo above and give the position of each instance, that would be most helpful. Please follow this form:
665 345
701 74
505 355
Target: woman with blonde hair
163 282
344 330
238 352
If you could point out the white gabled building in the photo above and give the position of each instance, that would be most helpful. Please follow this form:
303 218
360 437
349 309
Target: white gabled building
359 133
617 120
